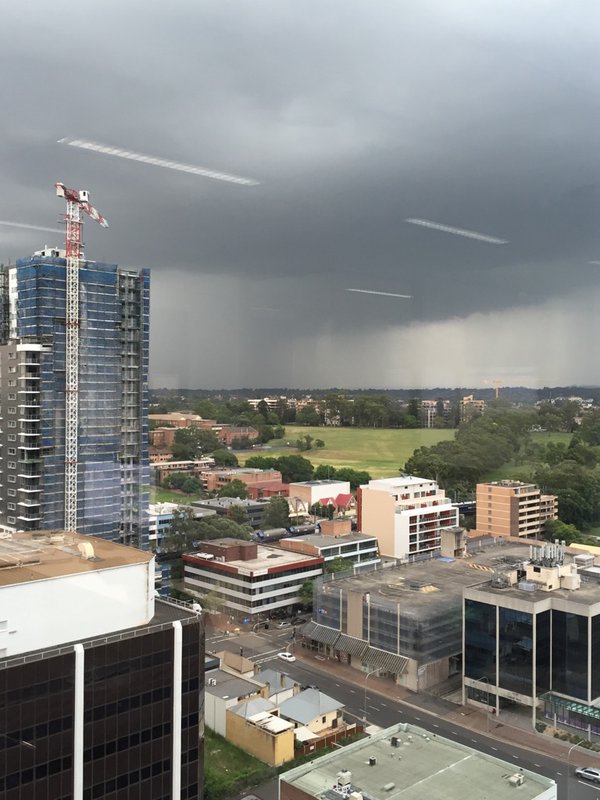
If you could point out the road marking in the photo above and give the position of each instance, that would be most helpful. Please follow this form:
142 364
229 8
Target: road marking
517 757
495 748
474 740
419 718
384 705
337 684
435 726
536 765
352 691
454 733
559 773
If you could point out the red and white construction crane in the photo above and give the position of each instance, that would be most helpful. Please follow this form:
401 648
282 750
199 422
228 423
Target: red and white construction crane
77 201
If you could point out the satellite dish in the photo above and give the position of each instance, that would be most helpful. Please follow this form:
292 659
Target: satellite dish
86 550
197 608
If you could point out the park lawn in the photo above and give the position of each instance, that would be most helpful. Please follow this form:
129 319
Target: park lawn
159 495
381 452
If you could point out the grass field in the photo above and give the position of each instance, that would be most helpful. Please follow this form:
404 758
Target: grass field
381 452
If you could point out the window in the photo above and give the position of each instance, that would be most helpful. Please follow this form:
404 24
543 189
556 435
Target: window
12 410
12 423
11 520
12 437
12 396
11 478
12 506
12 369
12 356
12 383
12 451
12 464
12 492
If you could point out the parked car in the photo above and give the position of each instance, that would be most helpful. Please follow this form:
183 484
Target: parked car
285 624
286 657
588 774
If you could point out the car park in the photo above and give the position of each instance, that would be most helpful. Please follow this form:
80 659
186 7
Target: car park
588 774
286 657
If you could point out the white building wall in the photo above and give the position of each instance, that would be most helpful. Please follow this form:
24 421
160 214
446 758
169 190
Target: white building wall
48 613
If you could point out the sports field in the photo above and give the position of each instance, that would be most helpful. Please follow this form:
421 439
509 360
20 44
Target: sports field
381 452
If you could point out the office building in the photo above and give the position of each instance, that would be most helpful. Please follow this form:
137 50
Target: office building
532 638
336 541
513 508
406 514
112 458
248 578
406 762
101 685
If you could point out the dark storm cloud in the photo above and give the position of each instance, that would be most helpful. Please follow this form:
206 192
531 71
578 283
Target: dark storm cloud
354 116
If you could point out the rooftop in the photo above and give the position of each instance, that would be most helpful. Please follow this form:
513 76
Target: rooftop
398 480
305 706
266 557
228 502
322 540
431 584
420 765
41 555
227 686
323 482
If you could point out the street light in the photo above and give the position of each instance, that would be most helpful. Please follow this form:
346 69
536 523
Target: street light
569 754
367 676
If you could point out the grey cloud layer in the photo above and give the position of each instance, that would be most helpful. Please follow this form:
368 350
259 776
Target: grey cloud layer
354 117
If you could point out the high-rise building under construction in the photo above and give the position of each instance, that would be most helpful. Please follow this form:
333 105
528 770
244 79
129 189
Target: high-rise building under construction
112 397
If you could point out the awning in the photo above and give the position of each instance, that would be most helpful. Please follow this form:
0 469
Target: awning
350 645
387 662
321 633
309 629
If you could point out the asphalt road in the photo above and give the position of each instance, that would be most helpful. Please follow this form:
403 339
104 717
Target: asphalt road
262 648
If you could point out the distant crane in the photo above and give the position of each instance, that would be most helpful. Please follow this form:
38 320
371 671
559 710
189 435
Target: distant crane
496 384
77 201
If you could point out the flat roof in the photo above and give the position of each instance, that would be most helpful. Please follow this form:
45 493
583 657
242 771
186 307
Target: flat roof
41 555
228 686
432 584
322 540
322 482
266 557
421 765
398 480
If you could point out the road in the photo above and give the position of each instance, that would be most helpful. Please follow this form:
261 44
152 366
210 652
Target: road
262 648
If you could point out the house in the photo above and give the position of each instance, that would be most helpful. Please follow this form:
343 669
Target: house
256 727
279 686
314 710
222 690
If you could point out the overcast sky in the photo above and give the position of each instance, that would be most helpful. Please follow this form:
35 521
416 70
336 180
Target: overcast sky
353 116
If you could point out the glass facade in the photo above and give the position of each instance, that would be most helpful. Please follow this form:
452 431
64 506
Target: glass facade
543 651
515 653
570 654
480 641
113 467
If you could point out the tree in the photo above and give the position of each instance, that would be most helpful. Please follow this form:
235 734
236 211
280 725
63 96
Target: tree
241 443
235 488
225 458
191 484
355 477
238 514
262 462
325 472
294 468
263 409
305 442
319 444
277 513
191 443
182 532
207 410
338 564
555 529
308 415
306 593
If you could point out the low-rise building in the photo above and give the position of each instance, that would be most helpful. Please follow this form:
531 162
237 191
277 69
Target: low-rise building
213 480
470 407
179 419
223 690
513 508
160 516
255 509
267 489
256 727
311 492
314 710
406 762
249 579
336 540
406 514
405 622
162 469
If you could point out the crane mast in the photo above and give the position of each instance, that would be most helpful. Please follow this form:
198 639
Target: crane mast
77 202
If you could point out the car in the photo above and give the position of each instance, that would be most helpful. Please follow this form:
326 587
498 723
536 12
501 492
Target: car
285 624
286 657
588 774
